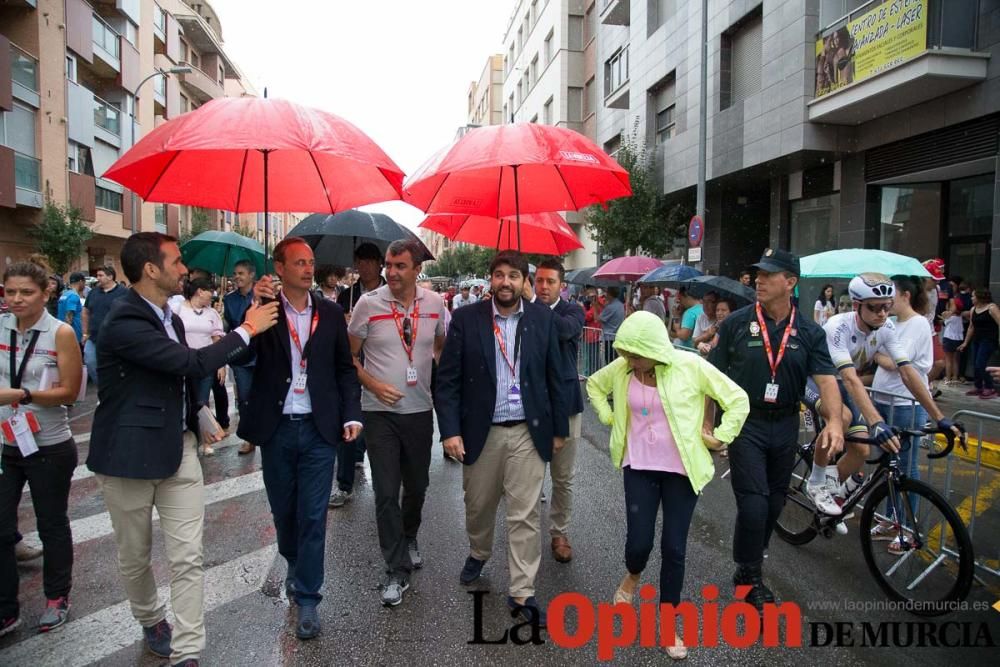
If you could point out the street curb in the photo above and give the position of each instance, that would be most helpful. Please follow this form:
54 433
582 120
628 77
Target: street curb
991 453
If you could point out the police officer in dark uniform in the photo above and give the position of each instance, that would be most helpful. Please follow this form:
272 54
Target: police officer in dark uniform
770 349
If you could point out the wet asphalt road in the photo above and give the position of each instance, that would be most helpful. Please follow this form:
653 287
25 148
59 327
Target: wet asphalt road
253 624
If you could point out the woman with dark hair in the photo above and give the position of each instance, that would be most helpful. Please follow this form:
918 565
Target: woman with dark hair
43 377
825 307
202 327
983 334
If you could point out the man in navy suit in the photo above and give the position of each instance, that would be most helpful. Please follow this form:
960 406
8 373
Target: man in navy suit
569 320
500 401
304 401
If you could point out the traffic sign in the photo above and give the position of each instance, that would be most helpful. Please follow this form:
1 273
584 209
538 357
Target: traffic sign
696 231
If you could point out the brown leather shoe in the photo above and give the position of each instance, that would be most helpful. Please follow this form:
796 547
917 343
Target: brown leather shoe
561 550
246 448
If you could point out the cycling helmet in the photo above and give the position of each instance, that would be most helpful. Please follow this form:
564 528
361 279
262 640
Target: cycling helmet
866 286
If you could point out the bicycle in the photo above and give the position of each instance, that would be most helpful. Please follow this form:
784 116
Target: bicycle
930 533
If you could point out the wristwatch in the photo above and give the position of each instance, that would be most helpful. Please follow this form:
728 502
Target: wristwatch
26 399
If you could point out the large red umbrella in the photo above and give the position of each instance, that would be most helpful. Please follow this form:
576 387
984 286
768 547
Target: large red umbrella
627 269
250 154
543 233
506 170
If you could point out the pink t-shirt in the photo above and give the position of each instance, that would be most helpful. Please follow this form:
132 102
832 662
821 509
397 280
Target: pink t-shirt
200 325
650 444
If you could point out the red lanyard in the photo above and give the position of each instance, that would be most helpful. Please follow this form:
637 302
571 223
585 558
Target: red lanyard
292 329
771 359
415 317
503 348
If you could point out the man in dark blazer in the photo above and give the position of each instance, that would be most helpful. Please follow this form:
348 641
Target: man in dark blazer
142 446
569 319
500 401
304 401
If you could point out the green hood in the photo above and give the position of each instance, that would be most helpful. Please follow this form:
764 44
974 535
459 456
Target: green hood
643 334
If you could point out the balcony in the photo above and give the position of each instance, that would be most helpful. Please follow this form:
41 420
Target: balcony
160 24
937 58
24 76
28 180
107 122
616 80
107 48
200 85
615 12
204 39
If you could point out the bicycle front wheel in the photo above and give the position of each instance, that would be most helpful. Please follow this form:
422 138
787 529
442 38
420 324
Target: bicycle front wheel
796 524
916 546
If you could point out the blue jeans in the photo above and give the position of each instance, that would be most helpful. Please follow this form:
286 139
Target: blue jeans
90 359
298 470
982 350
905 416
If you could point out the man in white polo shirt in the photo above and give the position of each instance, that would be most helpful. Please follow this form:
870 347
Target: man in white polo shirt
400 329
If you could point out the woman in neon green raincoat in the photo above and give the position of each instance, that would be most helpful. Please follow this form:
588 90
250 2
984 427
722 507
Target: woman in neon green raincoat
659 441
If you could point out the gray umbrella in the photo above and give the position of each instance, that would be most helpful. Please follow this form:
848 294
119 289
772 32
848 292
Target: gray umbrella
701 285
586 277
333 238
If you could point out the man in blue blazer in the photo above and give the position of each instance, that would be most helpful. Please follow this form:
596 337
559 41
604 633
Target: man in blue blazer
501 406
569 319
304 401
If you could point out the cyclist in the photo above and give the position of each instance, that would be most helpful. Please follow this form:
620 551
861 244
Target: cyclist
854 338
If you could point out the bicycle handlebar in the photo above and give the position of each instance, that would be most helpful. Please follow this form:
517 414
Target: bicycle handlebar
918 433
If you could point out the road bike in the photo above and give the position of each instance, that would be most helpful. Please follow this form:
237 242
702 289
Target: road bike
930 564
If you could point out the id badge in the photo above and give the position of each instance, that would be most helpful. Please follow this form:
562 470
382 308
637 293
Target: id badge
514 395
21 428
299 386
771 392
411 376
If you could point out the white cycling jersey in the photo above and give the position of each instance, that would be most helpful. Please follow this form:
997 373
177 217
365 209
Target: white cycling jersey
850 346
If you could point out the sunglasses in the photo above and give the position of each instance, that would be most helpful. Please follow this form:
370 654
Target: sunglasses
880 308
407 331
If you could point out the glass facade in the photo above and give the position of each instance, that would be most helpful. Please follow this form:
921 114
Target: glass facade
813 223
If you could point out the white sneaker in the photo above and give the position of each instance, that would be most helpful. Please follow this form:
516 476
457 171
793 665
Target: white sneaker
821 497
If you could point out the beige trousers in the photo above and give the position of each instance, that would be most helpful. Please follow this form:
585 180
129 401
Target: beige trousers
508 466
562 468
180 502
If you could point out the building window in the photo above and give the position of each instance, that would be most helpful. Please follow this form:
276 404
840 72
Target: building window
534 70
662 103
658 11
520 39
534 119
131 33
589 98
70 68
108 199
616 71
741 60
547 49
160 218
612 145
910 218
814 224
17 129
510 57
159 18
831 11
533 13
510 109
547 112
574 104
590 24
970 206
575 36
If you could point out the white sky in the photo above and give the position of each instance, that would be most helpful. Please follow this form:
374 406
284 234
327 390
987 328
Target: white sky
398 69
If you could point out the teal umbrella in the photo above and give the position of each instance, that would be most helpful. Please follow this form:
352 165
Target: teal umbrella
849 262
218 252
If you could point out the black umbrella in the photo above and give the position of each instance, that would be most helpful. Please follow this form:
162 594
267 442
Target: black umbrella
333 238
586 277
728 287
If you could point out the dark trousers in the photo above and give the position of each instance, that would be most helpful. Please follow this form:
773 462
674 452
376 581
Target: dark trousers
982 350
346 458
242 379
48 473
761 460
399 450
298 470
221 398
645 492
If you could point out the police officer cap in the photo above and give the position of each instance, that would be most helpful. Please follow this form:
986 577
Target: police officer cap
775 260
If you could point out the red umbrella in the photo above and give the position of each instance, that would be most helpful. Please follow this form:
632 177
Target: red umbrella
627 268
506 170
543 233
250 154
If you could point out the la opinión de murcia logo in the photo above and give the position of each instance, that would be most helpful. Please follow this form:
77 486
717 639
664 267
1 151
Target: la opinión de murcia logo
466 202
738 624
579 157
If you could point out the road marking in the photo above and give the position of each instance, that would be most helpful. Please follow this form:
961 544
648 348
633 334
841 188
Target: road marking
91 639
99 525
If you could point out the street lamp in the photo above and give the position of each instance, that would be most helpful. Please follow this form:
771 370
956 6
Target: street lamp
179 69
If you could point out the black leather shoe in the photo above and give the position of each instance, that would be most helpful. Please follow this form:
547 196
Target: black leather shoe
759 595
308 626
472 570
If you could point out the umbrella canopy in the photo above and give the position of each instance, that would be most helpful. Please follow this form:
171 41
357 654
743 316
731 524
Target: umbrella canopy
543 233
628 268
218 252
849 262
586 277
507 170
669 274
734 289
333 238
249 154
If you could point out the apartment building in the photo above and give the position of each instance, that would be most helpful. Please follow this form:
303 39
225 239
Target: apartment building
831 123
80 83
549 76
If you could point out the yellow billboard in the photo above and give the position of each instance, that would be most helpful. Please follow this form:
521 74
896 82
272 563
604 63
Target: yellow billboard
880 39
